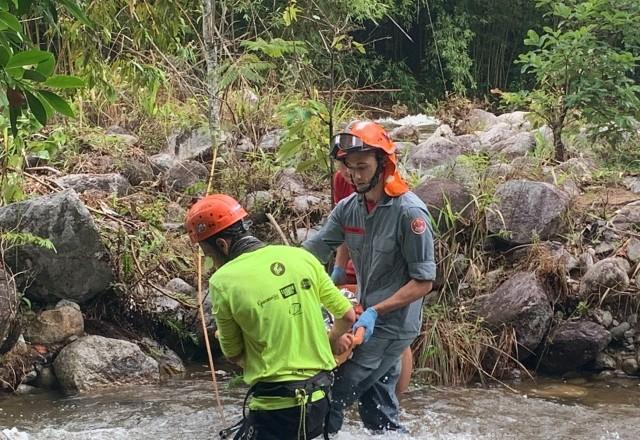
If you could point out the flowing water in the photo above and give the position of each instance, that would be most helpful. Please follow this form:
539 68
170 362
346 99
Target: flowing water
184 409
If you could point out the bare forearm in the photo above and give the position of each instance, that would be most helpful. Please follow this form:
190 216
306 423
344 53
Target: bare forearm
410 292
342 256
342 325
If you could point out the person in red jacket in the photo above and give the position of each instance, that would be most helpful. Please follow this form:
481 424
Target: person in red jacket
344 273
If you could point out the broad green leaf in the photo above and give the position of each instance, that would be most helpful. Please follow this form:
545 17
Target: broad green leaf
11 22
36 108
34 75
47 66
64 82
28 58
58 104
5 54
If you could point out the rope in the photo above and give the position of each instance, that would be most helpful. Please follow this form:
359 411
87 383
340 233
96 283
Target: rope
435 43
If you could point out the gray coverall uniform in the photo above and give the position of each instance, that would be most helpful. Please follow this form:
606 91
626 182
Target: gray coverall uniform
389 247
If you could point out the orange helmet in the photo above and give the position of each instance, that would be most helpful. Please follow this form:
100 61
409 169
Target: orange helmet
362 136
212 214
369 136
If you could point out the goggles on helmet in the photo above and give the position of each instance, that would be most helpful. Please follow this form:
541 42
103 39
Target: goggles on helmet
345 143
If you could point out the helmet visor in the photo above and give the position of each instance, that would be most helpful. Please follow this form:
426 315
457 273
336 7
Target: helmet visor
345 143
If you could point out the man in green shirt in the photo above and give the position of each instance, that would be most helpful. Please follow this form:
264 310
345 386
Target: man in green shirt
267 303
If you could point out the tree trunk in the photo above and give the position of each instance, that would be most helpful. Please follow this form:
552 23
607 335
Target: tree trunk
558 146
211 58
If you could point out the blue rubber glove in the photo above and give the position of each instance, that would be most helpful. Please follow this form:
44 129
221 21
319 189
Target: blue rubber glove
368 321
338 275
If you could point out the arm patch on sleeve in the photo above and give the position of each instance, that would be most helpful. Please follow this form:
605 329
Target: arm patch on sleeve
418 226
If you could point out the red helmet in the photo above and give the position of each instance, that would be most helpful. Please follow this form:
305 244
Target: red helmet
362 136
212 214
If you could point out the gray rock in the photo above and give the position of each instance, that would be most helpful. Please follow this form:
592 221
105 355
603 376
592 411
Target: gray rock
435 151
517 120
405 133
258 203
630 366
137 172
500 170
46 378
161 162
617 333
305 203
444 131
8 307
169 362
546 134
94 362
289 180
573 344
633 250
67 303
54 326
604 361
603 317
245 145
270 141
479 120
112 183
520 302
519 145
497 133
78 269
530 210
439 193
116 129
186 176
605 274
577 168
632 319
24 389
404 148
181 286
303 234
628 217
190 144
468 142
633 184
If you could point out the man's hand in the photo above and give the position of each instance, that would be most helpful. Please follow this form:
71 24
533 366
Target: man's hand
341 344
368 321
338 275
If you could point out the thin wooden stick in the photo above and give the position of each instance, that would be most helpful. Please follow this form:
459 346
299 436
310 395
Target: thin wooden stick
277 226
206 339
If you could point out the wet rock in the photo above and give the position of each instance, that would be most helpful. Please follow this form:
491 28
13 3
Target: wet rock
603 317
633 184
405 133
54 326
186 176
78 269
520 302
627 217
633 250
519 145
96 362
573 344
24 389
516 120
270 141
527 211
433 152
8 308
112 183
161 162
190 144
305 203
604 361
289 180
479 120
605 274
439 193
169 363
46 378
630 366
617 333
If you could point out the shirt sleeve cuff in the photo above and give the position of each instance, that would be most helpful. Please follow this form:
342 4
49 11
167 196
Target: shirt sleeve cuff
424 270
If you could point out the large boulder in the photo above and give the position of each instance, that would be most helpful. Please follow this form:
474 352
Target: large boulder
186 176
610 273
633 184
95 362
190 144
627 217
479 120
522 303
497 133
518 145
270 141
405 133
573 344
438 193
433 152
78 268
527 210
112 183
518 120
8 306
54 326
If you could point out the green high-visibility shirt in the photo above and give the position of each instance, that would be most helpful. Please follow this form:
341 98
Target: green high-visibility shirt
267 305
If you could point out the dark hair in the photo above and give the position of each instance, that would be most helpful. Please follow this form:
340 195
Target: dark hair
233 233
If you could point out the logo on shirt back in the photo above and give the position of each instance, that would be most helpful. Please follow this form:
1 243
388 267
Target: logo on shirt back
418 225
288 291
277 269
